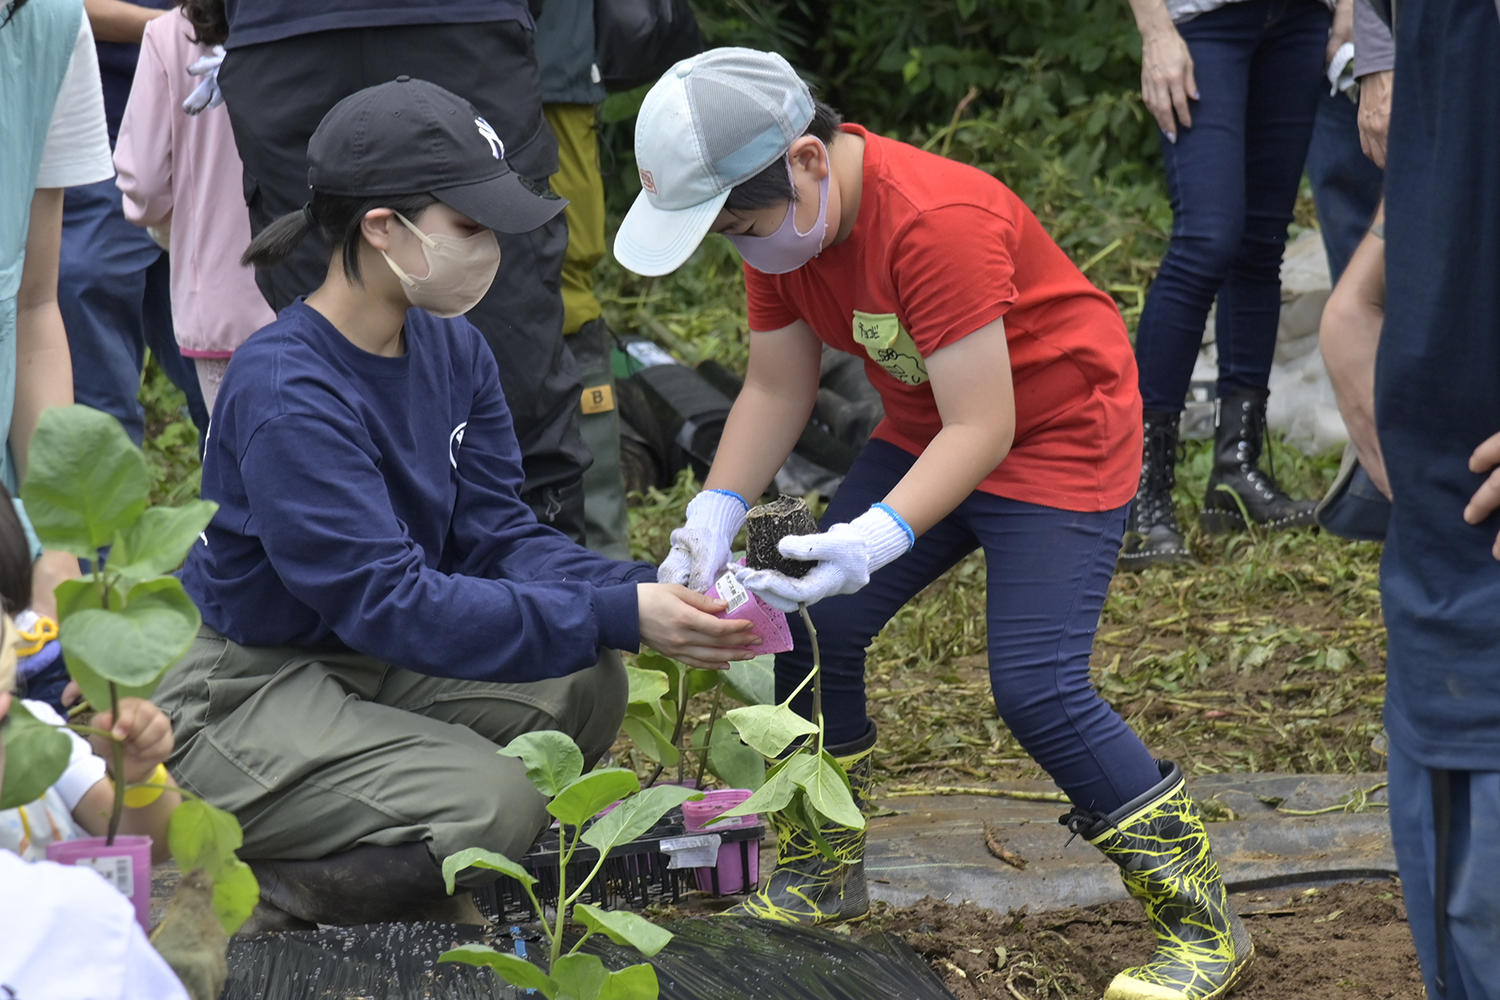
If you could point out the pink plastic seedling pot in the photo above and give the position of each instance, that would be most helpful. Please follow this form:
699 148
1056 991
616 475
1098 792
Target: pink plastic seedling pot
732 859
126 865
768 623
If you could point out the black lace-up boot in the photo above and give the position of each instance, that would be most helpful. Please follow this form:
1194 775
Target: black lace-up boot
1239 436
1151 535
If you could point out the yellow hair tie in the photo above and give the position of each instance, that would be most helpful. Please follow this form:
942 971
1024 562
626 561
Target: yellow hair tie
32 640
141 797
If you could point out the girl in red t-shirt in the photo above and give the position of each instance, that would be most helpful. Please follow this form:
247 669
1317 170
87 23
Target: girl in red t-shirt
1012 424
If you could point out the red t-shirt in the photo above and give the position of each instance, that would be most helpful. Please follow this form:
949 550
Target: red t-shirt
941 249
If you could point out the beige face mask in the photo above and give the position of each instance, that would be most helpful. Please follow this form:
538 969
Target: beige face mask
459 271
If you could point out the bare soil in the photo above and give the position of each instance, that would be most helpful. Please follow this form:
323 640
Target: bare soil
1347 941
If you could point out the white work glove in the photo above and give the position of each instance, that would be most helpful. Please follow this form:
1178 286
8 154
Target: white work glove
846 555
700 548
207 94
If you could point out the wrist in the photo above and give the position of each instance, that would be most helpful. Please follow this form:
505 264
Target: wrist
155 783
719 511
885 533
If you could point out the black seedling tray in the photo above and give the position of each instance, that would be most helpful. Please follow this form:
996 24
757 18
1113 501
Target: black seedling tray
634 875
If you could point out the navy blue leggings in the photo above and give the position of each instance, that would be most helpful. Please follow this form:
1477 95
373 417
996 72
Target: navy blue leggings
1048 573
1233 180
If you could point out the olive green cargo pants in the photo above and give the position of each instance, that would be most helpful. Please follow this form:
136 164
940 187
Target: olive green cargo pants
318 752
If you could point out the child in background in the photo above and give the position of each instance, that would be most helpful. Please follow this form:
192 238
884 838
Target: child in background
181 174
79 804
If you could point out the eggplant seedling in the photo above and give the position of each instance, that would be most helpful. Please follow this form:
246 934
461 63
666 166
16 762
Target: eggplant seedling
554 764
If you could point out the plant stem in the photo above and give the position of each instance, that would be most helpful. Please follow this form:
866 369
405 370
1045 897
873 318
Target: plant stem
119 753
682 700
562 893
708 739
817 673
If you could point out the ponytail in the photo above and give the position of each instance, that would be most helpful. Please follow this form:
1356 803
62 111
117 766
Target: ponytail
209 20
277 241
336 219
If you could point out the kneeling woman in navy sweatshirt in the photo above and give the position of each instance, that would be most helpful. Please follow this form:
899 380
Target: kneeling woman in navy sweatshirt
380 608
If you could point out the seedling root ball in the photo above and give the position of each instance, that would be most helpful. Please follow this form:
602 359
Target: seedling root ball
768 524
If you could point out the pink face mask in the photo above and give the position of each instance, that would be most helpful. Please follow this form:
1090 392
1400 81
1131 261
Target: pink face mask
787 249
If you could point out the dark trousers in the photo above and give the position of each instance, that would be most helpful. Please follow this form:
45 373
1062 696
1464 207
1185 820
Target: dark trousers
1048 572
279 91
1233 181
1459 829
114 290
1345 182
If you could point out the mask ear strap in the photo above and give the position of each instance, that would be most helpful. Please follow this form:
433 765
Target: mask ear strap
822 189
427 240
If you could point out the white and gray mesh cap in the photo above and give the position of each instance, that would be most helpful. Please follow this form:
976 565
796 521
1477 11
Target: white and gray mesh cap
711 122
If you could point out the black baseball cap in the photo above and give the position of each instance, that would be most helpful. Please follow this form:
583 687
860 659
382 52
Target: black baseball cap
408 136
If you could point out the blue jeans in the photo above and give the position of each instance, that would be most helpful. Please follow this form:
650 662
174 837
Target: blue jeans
1048 571
1233 181
1471 946
1345 182
113 287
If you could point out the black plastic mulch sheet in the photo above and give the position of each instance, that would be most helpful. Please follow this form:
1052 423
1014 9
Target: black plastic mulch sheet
715 958
742 958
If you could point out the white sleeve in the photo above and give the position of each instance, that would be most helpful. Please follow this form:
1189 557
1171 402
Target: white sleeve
85 769
77 148
146 975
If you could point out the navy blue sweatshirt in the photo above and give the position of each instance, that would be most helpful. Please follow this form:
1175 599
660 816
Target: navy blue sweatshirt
252 22
372 503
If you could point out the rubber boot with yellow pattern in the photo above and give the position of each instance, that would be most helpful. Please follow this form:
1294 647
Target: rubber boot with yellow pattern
806 887
1159 842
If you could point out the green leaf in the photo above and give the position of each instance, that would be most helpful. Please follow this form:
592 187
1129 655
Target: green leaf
36 755
86 481
700 681
634 982
636 815
828 792
580 977
511 968
159 540
551 758
132 647
652 741
773 795
646 685
236 892
769 728
203 836
85 594
584 798
623 927
650 659
478 857
753 682
732 761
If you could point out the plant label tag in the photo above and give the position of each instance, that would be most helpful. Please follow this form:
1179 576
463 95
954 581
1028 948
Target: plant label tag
699 850
117 871
766 622
730 590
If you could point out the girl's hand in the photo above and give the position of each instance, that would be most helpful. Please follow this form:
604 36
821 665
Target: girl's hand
1486 499
680 623
846 555
146 733
1167 80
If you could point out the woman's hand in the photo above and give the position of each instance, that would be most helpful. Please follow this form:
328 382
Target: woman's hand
1167 81
146 733
680 623
1486 499
1166 67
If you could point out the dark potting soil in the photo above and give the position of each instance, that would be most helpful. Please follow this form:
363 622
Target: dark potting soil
1348 941
768 524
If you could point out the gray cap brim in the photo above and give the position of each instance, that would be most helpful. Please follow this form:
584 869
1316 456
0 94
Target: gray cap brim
506 204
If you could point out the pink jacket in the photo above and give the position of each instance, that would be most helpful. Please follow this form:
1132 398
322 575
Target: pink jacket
184 169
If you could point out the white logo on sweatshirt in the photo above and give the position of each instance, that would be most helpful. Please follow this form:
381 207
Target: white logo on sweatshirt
455 441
